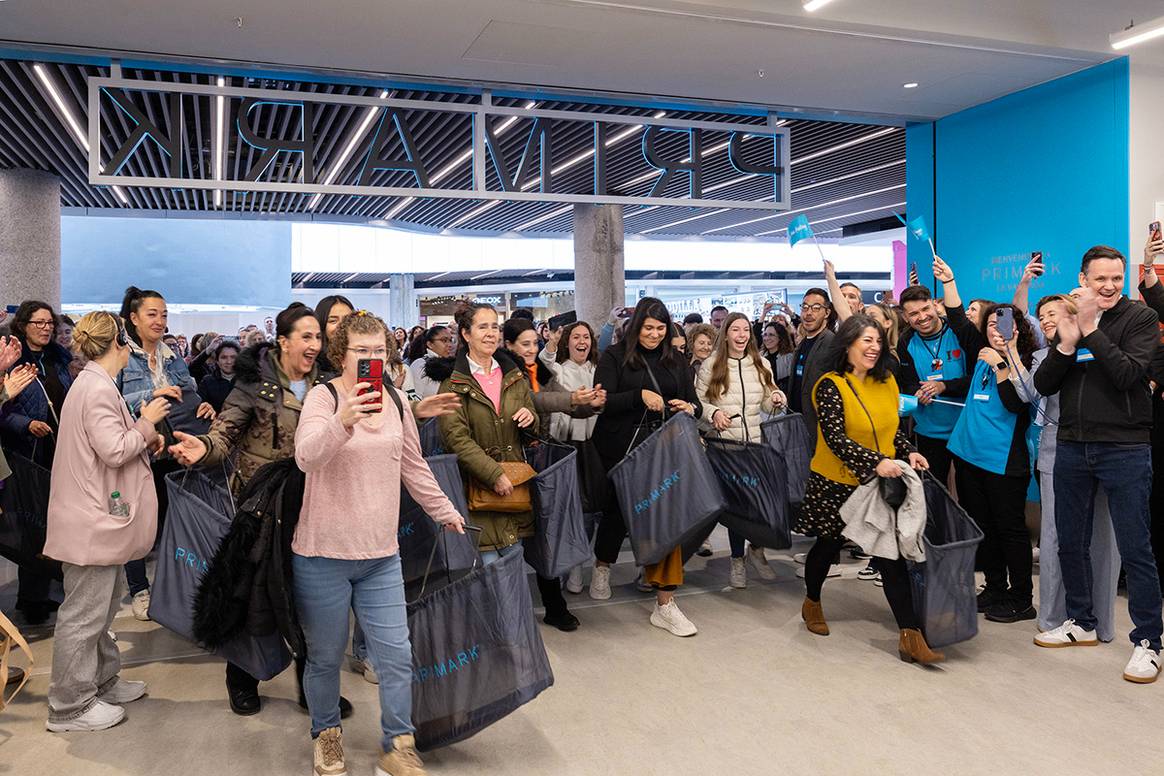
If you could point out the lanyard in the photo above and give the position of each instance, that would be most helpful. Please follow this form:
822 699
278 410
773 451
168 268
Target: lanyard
935 352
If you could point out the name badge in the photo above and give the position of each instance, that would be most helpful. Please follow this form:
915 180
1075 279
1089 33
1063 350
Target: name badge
938 376
981 397
1082 355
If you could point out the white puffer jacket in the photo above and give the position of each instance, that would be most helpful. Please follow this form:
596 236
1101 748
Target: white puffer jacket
746 396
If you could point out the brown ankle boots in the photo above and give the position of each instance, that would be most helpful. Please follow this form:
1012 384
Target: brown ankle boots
913 648
813 616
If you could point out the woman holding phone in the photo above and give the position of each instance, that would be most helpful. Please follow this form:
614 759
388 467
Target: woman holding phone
644 377
345 555
993 467
736 389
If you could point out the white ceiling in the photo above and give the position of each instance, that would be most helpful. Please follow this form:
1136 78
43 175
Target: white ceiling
850 58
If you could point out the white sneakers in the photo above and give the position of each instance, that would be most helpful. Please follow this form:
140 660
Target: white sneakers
600 583
739 574
1066 635
124 691
669 618
100 716
574 581
141 606
760 563
1144 666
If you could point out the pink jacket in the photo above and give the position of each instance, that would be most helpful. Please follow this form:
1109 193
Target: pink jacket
100 449
351 504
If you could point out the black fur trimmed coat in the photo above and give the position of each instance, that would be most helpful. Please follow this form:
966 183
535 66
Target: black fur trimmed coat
248 587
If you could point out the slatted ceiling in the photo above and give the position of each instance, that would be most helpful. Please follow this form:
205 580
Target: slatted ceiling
35 137
434 282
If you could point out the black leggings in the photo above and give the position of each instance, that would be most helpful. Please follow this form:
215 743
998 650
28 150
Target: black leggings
894 577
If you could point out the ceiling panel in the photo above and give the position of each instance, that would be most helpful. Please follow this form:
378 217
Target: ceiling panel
837 168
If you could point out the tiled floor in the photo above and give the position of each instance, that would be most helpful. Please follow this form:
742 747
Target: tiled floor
753 693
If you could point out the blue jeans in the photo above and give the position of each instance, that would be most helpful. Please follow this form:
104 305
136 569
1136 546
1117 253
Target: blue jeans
1125 473
325 590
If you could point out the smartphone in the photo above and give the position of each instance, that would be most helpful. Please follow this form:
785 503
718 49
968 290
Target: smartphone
1154 231
371 370
626 312
914 278
1037 256
1005 323
558 321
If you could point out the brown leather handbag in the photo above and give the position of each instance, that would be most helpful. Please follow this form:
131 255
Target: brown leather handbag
483 498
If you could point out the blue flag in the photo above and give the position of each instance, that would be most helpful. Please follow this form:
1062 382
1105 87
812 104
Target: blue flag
798 229
918 227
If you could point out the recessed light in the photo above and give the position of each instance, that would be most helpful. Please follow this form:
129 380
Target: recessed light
813 5
910 85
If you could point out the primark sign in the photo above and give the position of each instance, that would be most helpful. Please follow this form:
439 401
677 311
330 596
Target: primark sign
292 142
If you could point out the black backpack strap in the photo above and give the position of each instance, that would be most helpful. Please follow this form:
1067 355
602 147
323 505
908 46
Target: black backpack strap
391 392
395 399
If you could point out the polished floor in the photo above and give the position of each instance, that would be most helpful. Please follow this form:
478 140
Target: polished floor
753 693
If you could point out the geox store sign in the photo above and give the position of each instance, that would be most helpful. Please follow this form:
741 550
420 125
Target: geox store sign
227 138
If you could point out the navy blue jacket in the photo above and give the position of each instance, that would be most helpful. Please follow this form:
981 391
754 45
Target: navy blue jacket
33 404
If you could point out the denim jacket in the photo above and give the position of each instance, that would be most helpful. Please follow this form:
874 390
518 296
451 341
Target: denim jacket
137 381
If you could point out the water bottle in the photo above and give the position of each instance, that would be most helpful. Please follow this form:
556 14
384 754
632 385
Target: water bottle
118 507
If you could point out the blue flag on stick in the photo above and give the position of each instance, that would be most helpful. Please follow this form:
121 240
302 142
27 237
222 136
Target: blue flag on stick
918 227
798 229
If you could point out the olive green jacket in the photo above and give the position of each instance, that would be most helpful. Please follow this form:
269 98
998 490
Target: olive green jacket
259 417
480 437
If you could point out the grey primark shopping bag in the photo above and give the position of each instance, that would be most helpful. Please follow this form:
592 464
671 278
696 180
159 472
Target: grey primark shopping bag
666 490
560 541
417 534
477 654
944 594
197 519
431 441
755 488
788 436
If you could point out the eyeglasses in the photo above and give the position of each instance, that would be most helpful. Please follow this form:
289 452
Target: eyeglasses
812 308
380 353
42 324
443 339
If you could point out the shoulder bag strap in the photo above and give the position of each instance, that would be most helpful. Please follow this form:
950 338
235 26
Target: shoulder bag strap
872 425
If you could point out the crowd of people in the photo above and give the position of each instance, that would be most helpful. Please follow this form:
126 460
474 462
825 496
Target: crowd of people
982 397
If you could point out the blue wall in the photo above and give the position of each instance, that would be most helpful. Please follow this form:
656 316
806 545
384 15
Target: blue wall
190 261
1042 169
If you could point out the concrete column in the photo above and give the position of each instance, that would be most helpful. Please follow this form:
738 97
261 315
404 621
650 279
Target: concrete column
403 308
30 237
599 267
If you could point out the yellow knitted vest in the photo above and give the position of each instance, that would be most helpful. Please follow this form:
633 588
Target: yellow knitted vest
881 401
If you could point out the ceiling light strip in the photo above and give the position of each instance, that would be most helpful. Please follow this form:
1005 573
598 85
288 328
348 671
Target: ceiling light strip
69 117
